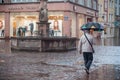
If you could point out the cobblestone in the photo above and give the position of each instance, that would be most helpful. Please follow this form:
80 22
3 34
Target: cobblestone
21 65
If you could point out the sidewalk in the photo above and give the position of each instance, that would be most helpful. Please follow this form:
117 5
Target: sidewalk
60 65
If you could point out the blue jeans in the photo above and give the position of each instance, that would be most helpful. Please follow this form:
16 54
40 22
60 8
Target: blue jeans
88 58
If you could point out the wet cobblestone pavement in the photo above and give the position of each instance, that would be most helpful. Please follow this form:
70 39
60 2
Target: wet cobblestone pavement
21 65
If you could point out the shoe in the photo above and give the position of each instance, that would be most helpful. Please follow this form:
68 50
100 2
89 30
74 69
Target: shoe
87 71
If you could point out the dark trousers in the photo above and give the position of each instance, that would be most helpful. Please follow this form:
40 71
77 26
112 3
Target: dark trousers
88 58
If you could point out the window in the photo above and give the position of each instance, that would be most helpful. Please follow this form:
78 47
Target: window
89 4
17 1
57 0
111 4
106 5
72 0
119 11
24 0
115 10
95 4
116 1
81 2
0 1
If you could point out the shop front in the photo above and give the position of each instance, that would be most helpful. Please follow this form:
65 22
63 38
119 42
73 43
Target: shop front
18 19
56 25
23 24
21 19
2 24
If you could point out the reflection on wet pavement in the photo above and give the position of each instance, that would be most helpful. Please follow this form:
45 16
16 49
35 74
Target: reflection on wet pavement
105 72
5 46
39 66
22 65
108 41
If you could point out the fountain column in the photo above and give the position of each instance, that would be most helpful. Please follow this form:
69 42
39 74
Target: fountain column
43 25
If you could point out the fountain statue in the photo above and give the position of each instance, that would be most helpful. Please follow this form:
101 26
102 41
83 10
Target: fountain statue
43 25
43 13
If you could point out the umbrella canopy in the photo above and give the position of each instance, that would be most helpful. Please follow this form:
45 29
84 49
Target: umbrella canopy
92 25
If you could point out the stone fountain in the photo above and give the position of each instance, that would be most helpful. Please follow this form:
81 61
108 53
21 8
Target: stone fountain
42 42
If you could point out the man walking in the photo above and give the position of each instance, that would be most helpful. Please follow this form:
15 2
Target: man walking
85 47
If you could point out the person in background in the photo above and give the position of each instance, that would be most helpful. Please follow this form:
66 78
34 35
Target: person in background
24 30
2 33
51 32
31 28
19 32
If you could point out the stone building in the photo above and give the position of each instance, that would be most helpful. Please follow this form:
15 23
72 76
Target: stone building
117 18
106 17
69 15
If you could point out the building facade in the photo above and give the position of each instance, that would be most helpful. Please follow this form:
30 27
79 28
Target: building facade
111 18
68 15
117 18
107 17
103 15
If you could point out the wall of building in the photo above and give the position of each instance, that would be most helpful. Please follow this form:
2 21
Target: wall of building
70 17
111 18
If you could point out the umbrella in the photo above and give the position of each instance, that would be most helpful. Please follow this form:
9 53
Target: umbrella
92 25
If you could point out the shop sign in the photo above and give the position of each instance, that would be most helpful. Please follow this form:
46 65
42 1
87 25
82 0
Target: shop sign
55 17
22 8
66 18
90 12
15 8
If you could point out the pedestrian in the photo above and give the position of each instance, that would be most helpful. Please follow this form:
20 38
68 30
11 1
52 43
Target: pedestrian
85 46
19 31
51 32
31 28
2 33
24 30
